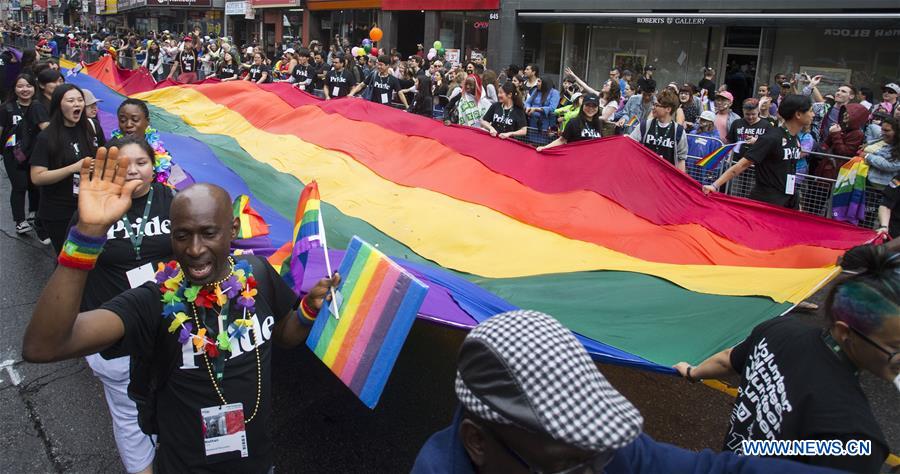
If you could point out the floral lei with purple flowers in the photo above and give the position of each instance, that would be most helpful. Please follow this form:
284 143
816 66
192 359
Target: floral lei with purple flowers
177 293
162 160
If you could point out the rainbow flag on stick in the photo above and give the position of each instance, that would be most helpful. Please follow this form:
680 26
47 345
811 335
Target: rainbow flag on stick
11 141
251 223
633 121
380 300
713 159
309 233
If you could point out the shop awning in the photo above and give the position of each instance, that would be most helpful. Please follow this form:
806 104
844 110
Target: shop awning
342 4
274 3
868 19
447 5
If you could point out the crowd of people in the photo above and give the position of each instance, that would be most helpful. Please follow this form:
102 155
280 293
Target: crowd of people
130 250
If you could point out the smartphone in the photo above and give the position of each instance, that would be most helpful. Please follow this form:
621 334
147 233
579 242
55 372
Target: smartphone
797 77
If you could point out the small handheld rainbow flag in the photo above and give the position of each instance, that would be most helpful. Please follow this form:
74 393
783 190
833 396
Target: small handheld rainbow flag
633 121
251 223
309 232
11 141
713 159
380 301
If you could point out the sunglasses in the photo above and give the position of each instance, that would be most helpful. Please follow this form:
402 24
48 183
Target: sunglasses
890 355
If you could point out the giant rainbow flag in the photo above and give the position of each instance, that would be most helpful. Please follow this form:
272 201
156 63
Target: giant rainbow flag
615 243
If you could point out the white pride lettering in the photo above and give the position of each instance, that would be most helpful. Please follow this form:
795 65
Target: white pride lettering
191 359
154 227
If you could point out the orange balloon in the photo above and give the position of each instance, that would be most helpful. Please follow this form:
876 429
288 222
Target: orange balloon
375 34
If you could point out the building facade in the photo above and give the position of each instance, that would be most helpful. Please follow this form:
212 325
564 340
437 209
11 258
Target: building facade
740 41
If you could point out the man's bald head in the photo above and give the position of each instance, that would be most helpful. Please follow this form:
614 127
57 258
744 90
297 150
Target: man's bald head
202 230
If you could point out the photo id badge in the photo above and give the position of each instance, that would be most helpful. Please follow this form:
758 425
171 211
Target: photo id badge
223 429
334 91
384 98
76 183
140 275
789 184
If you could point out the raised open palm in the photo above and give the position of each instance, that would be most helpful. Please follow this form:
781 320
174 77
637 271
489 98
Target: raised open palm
103 195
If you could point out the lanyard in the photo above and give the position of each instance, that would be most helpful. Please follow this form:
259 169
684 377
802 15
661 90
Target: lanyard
137 238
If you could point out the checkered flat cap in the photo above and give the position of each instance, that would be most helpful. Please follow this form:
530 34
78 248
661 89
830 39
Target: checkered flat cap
524 368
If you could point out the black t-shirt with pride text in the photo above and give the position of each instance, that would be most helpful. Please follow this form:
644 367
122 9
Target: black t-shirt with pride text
227 71
339 83
58 200
577 129
795 387
775 156
303 74
505 120
188 61
383 88
109 277
257 71
188 389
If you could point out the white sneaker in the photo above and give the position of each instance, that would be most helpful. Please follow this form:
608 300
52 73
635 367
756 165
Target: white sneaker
23 227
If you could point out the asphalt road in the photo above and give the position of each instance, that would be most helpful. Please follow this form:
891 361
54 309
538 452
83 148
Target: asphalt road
53 417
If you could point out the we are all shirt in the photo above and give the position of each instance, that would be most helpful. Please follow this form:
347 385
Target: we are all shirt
189 388
109 277
58 201
505 120
340 82
775 155
577 129
383 88
795 387
743 131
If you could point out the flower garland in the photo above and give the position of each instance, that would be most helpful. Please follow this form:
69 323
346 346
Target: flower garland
176 292
162 160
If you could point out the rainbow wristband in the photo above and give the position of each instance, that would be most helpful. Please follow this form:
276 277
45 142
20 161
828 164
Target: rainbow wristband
81 251
306 315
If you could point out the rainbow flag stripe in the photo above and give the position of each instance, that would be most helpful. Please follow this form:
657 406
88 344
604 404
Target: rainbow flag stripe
379 302
713 159
251 223
631 122
11 141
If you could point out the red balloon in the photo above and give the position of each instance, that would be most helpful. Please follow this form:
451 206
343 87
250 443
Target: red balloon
374 51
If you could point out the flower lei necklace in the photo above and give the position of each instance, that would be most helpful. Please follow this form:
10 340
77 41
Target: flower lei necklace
162 160
177 295
239 283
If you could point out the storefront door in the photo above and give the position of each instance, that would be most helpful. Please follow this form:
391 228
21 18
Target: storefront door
738 72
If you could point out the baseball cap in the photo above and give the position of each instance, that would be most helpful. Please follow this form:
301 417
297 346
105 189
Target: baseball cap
523 368
686 88
89 98
708 115
892 87
575 96
590 99
786 84
289 51
650 67
726 95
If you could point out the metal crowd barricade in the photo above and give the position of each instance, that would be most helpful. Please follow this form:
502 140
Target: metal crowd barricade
702 175
814 191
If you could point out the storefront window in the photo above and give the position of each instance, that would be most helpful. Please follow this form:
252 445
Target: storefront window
466 32
576 49
865 57
677 52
